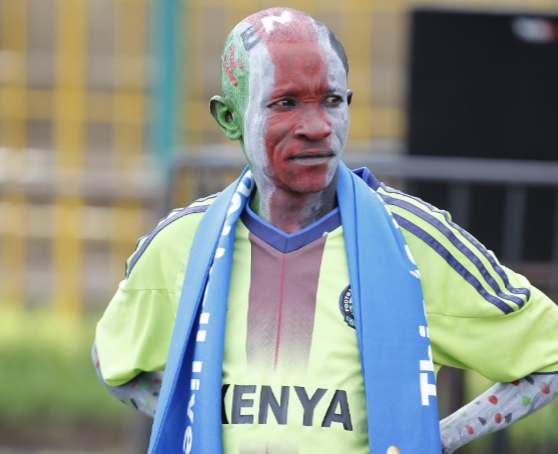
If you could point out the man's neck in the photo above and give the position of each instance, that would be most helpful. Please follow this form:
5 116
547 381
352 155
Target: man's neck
291 211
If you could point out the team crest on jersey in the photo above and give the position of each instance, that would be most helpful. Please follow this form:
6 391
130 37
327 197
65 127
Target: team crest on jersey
346 306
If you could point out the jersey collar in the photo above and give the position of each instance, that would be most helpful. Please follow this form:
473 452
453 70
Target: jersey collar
289 242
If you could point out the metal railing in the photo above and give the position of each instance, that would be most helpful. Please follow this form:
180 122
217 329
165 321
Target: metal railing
41 241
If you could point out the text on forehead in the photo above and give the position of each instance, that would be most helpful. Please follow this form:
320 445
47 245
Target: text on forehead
268 22
250 38
229 64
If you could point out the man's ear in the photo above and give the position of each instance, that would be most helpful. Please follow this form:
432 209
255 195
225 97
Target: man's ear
225 118
349 96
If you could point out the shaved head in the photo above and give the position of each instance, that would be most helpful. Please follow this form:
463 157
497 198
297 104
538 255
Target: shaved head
278 25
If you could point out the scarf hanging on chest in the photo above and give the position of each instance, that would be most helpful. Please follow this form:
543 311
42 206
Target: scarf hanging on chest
389 318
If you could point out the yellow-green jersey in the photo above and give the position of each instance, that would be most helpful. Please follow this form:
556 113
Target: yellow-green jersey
292 378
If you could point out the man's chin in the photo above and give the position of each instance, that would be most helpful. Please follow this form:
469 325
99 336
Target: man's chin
309 185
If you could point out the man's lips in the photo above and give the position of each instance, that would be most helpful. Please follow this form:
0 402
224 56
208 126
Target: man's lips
309 155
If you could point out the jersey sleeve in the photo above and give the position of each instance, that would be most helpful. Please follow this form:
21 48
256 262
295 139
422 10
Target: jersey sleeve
134 333
481 315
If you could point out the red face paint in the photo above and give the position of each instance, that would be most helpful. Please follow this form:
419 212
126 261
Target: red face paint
300 161
229 64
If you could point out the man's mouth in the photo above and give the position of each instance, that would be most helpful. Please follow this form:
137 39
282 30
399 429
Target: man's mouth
311 155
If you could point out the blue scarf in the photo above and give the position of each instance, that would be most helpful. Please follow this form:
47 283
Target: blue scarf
389 319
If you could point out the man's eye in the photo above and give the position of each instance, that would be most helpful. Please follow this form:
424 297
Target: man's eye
284 103
332 100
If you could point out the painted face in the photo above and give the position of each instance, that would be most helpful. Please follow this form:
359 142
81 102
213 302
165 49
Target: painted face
297 118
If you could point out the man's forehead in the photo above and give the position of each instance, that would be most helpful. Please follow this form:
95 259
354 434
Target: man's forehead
252 49
280 25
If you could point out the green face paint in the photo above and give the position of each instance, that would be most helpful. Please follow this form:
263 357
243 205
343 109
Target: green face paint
235 75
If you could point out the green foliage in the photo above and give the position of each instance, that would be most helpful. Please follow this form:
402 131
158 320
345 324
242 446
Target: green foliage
46 373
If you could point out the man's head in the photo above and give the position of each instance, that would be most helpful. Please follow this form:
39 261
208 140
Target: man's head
284 79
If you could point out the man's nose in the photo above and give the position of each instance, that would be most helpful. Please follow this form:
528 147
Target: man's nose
313 124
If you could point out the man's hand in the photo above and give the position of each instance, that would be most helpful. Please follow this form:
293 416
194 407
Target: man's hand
141 393
497 408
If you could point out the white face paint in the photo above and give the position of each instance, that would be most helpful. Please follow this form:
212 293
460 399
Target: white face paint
256 114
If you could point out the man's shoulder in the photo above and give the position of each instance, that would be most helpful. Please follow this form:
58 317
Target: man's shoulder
174 233
453 262
434 227
412 208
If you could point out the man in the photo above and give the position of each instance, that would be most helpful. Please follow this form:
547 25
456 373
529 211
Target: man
296 301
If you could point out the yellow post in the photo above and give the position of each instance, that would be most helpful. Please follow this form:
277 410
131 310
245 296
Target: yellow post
13 119
358 45
69 142
129 119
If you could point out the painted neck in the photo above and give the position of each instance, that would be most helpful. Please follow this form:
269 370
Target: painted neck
291 211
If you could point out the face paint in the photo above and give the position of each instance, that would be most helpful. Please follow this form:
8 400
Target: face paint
297 118
230 63
235 73
298 135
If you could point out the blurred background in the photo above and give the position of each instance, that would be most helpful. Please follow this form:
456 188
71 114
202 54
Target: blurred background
104 126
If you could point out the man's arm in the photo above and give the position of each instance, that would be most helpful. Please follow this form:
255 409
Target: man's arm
141 393
497 408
